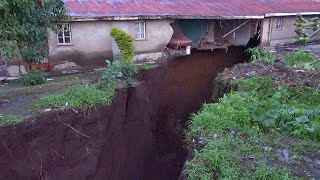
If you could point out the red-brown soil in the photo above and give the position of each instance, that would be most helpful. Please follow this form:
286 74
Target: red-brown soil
140 136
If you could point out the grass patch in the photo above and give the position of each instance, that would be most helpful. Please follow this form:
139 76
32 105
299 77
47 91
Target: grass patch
261 54
243 134
302 60
10 119
57 85
146 66
80 96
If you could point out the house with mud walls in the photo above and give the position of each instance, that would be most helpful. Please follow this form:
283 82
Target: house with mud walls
166 28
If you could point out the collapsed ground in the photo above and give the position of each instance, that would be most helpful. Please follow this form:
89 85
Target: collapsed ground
266 127
20 100
270 131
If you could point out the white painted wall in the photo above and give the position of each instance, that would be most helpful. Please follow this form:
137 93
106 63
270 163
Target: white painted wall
91 41
273 37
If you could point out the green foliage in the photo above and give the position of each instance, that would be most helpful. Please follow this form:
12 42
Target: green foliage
125 43
10 119
146 66
261 54
265 172
34 77
80 96
119 70
235 130
24 27
229 158
303 60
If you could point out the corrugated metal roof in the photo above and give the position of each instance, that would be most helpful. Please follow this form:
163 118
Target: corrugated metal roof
187 8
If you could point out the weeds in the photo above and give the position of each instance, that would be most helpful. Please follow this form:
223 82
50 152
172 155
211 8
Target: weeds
303 60
119 71
235 131
146 66
80 96
34 77
9 119
261 54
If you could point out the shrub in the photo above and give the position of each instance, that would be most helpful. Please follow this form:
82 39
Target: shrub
303 60
262 54
118 70
34 77
125 43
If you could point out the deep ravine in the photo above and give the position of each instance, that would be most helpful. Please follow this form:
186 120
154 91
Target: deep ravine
140 136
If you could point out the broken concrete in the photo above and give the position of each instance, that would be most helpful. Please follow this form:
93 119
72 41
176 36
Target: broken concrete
67 67
15 70
148 57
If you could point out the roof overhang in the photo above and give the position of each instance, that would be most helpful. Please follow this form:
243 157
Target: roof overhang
155 17
291 14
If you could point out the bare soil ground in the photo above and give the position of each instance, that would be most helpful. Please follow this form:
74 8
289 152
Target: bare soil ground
285 76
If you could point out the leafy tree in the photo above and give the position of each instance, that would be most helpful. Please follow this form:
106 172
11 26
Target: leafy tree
24 27
301 26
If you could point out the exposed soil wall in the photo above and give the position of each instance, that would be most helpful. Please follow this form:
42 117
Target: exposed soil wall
138 137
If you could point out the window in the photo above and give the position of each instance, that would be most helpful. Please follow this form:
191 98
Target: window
140 30
279 24
64 34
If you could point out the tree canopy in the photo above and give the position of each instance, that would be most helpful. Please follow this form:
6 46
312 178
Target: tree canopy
24 27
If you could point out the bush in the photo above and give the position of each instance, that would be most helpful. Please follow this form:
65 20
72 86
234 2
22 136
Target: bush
119 70
262 54
303 60
34 77
125 43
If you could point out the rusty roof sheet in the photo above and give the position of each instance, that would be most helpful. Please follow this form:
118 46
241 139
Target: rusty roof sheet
187 8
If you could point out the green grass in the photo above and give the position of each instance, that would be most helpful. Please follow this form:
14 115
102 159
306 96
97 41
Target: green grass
261 54
10 119
146 66
57 85
80 96
256 115
302 60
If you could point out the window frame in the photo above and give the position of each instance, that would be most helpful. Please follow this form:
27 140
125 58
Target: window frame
279 24
63 34
144 30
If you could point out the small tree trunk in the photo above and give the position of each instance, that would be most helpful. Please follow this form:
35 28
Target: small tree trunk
19 63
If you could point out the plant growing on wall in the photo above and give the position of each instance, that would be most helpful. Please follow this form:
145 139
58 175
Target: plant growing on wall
24 27
125 43
301 26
